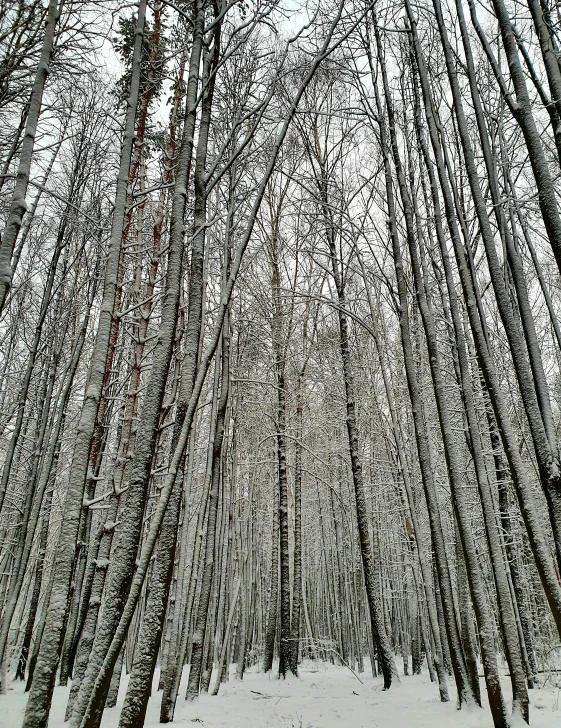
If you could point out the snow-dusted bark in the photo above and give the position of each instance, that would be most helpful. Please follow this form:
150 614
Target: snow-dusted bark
379 633
113 692
37 579
61 242
42 472
465 609
94 600
519 326
182 617
149 639
520 107
512 557
201 624
279 345
297 572
419 549
453 457
227 633
541 16
121 574
506 611
445 594
92 710
518 469
38 705
18 205
272 597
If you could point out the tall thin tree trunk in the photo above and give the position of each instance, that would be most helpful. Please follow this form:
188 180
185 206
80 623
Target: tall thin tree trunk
89 707
271 624
99 675
18 204
385 656
523 488
445 594
38 704
201 628
297 573
38 577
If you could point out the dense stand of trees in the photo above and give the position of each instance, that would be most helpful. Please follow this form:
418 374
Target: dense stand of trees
280 346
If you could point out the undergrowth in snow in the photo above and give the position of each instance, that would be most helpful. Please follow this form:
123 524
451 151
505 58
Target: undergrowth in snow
323 696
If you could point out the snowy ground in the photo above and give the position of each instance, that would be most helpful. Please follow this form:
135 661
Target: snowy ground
324 696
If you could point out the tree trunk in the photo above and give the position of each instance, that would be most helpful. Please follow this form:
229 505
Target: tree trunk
271 628
195 672
38 705
465 693
18 204
380 637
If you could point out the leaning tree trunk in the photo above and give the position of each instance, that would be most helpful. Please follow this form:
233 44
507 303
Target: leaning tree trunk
38 577
201 630
48 285
100 674
420 549
523 114
519 326
138 691
528 507
38 705
510 550
43 473
506 611
445 594
182 616
89 705
475 577
149 638
18 205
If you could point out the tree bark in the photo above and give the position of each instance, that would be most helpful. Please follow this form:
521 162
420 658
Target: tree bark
385 656
18 204
465 692
38 705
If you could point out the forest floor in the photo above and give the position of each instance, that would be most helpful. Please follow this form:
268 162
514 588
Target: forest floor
324 696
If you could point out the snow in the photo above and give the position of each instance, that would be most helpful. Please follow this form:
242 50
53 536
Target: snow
324 696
